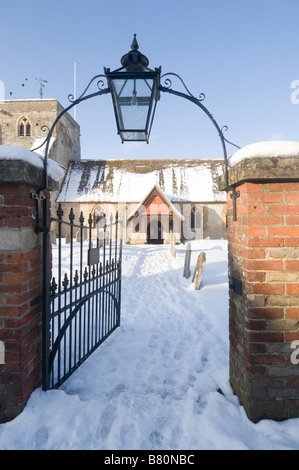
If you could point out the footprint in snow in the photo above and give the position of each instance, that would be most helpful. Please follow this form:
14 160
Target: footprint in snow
42 436
128 433
106 421
116 391
179 354
156 438
192 380
200 404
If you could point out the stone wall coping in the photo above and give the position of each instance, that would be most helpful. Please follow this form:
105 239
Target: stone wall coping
21 166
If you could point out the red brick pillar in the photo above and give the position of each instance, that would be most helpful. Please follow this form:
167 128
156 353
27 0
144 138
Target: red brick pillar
264 286
21 275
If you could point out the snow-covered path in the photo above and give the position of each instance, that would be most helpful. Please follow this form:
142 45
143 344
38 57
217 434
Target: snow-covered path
160 381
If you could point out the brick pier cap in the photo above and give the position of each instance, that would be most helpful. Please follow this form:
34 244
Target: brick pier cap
263 161
20 165
263 262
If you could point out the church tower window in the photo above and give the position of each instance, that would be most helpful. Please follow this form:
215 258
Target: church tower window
21 129
24 128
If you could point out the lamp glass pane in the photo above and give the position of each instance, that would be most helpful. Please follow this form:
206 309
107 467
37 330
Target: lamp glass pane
132 99
133 136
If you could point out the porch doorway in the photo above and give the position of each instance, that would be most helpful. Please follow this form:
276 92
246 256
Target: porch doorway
154 231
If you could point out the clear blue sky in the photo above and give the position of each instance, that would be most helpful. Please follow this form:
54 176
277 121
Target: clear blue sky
242 54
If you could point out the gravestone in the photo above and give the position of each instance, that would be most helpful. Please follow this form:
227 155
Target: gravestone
187 271
53 237
172 245
200 264
84 235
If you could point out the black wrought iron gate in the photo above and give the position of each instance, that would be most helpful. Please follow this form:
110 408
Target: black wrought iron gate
82 296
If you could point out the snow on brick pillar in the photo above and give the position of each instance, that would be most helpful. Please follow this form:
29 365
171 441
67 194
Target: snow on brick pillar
264 279
21 268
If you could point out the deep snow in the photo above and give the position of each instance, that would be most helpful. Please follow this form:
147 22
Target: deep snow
161 380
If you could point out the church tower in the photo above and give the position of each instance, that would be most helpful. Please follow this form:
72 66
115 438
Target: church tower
25 123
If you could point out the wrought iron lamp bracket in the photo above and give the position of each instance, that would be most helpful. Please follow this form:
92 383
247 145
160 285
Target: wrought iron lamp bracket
198 101
101 91
74 102
39 195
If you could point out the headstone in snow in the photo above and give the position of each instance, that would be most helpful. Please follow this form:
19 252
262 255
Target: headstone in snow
200 264
172 245
85 234
67 238
187 271
53 237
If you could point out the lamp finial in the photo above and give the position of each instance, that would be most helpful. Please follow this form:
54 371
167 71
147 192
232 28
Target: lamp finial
134 45
134 58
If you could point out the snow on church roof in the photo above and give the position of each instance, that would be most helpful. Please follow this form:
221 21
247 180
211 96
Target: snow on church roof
129 180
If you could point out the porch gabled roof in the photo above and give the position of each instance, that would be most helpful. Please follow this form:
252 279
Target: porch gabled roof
162 196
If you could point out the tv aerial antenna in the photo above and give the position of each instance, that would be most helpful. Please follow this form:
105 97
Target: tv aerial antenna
41 83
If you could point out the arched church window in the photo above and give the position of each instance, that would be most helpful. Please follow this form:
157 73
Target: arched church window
24 128
195 217
100 217
21 129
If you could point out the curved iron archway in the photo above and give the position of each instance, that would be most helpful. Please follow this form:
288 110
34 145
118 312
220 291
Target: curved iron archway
166 89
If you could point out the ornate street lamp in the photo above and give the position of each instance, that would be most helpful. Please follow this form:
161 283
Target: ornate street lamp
135 92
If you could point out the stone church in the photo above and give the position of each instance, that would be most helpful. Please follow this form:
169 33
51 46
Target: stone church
155 198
